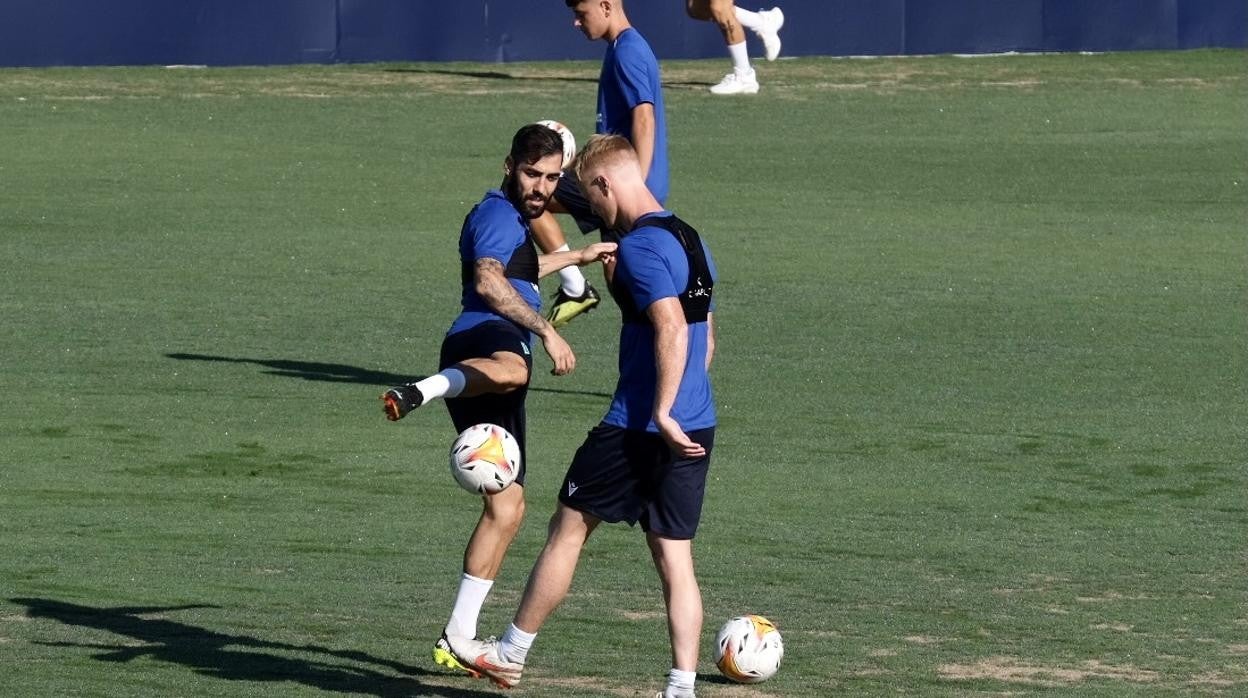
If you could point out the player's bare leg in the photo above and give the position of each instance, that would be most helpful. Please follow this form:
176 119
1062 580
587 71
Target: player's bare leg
721 12
674 561
501 373
556 565
766 24
503 660
501 516
547 232
500 520
575 295
742 79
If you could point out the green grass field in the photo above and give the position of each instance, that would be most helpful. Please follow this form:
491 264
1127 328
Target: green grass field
982 378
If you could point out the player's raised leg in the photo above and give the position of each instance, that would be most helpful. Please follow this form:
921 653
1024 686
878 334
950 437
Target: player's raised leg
500 373
742 79
766 25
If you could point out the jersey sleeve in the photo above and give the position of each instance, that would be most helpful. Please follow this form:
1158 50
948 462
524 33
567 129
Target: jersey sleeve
645 273
632 74
495 234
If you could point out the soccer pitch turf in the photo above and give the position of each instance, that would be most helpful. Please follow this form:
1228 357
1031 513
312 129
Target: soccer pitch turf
981 378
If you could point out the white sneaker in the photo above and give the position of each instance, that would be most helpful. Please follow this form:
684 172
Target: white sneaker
735 83
670 692
773 19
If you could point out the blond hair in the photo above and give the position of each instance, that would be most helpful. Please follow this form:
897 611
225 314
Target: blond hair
603 150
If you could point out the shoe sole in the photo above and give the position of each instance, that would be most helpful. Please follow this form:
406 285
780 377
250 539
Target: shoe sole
443 658
394 412
498 680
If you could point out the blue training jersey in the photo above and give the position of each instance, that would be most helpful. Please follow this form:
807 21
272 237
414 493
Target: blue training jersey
630 76
651 265
494 229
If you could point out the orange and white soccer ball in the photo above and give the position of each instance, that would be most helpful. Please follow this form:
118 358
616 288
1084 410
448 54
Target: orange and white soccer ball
748 649
485 458
569 141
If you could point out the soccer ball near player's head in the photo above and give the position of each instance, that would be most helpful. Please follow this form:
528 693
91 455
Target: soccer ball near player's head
532 168
748 649
569 141
485 458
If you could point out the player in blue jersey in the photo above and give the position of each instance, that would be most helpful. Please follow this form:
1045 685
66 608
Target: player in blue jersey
630 104
486 357
647 461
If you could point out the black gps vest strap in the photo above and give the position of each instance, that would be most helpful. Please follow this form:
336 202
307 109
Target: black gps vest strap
695 300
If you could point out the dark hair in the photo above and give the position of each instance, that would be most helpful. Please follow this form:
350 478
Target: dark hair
534 142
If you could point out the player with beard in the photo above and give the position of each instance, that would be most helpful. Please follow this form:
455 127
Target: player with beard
486 358
647 461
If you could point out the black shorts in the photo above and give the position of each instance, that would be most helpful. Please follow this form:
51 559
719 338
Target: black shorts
625 475
568 193
505 410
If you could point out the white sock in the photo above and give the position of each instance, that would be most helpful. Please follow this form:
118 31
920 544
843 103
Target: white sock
448 383
515 643
750 20
571 280
468 603
682 680
740 58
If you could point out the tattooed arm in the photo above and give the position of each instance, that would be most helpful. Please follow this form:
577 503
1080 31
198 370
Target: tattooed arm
492 285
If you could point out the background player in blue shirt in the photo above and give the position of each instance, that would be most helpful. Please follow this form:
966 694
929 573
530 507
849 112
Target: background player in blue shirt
486 358
630 104
647 461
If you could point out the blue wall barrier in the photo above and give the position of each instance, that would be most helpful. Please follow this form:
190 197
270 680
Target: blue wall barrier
244 32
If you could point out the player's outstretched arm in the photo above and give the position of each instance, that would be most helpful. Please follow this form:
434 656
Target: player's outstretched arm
492 285
597 252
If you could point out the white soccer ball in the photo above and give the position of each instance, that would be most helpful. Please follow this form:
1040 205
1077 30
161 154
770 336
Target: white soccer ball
748 649
485 458
569 141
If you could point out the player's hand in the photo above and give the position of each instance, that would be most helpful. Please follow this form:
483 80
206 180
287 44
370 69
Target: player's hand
677 439
560 353
597 252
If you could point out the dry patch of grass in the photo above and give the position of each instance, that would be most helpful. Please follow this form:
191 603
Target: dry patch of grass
1014 670
643 615
1116 627
1111 597
923 640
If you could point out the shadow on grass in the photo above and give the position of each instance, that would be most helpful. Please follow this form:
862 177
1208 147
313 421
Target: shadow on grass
341 373
491 75
236 657
500 75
